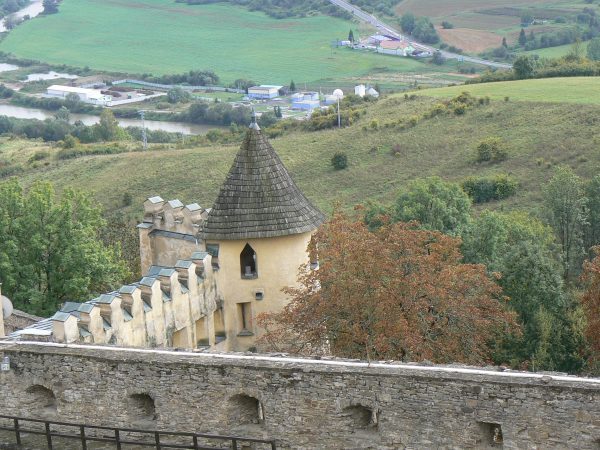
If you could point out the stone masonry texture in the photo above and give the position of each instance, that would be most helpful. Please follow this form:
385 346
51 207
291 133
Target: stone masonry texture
304 404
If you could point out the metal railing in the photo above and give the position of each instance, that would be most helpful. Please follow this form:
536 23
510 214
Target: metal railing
118 436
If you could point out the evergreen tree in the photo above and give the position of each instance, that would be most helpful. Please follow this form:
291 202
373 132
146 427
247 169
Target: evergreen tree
351 36
292 86
522 37
504 43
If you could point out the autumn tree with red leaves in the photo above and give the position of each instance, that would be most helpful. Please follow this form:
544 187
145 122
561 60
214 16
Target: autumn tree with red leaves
591 305
396 293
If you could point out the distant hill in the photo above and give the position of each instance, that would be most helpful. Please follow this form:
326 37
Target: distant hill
382 156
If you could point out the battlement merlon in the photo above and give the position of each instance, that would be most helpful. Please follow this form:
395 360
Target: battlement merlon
169 231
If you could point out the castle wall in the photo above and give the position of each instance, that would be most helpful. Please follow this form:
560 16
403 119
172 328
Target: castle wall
278 262
306 403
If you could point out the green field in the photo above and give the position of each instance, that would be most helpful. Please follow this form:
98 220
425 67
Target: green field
539 137
161 36
557 52
480 24
580 90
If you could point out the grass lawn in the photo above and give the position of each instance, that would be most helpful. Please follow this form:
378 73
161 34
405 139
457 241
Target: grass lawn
161 36
580 90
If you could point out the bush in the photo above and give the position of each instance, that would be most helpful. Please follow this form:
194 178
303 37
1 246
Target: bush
485 189
339 161
491 149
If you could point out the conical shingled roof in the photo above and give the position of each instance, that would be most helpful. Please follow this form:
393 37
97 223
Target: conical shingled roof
259 199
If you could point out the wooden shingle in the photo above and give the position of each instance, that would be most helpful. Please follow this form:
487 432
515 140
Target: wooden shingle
259 199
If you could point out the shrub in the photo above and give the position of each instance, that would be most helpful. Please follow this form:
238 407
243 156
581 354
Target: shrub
485 189
491 149
339 161
39 155
127 199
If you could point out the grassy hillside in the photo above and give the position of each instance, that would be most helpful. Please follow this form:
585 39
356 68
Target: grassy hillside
579 90
539 136
161 36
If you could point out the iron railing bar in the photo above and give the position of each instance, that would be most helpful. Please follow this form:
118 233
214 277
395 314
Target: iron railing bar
17 431
234 440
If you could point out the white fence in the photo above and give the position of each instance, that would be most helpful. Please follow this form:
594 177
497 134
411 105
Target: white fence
182 86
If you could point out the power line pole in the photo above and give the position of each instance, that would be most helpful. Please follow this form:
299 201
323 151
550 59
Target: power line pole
144 137
339 117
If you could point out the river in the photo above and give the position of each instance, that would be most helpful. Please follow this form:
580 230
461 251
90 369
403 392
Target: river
20 112
35 8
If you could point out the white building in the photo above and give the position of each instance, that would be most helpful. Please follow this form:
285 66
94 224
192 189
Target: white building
360 90
92 96
264 91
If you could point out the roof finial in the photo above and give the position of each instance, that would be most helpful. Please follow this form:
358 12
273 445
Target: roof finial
254 124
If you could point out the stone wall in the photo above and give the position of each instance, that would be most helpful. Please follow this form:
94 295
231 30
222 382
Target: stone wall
302 403
19 320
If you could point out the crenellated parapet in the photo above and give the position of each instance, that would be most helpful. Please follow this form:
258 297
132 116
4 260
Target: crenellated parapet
169 231
169 307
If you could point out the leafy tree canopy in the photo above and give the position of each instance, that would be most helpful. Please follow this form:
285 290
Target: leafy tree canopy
50 250
396 293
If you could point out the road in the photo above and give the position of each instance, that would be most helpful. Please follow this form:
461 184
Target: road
387 29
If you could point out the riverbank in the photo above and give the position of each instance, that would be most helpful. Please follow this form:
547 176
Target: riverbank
19 112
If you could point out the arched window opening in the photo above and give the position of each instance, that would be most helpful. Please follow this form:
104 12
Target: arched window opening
42 398
491 434
141 408
245 410
248 262
360 417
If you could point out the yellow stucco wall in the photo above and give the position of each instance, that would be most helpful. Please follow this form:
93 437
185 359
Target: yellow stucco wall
278 261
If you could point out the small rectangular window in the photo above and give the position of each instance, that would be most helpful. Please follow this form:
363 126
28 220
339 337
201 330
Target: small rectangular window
244 313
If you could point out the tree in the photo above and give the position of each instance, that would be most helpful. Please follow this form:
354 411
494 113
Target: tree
424 31
351 36
524 67
11 21
178 95
438 58
50 250
435 204
592 227
292 86
521 249
50 6
108 129
73 102
590 302
565 204
593 49
62 114
504 43
522 38
407 23
396 293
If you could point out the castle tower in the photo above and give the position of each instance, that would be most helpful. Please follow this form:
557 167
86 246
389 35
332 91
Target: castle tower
258 232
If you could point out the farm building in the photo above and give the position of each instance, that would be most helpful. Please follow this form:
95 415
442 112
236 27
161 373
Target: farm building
398 48
360 90
338 94
91 96
306 101
264 91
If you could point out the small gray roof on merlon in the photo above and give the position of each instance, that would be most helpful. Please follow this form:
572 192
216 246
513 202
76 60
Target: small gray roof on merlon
259 199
